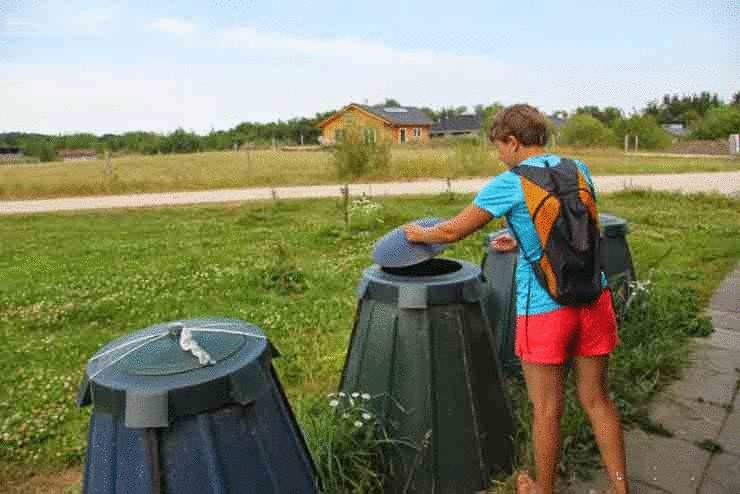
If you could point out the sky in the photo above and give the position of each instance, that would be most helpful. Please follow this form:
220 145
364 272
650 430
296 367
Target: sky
90 66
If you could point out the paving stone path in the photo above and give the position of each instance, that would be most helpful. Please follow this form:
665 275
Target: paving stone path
702 407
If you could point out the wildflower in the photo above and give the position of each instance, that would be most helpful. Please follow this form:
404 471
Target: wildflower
331 395
345 415
342 395
366 416
334 403
366 396
355 395
358 424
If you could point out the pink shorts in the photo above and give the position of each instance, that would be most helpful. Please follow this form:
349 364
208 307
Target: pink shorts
553 337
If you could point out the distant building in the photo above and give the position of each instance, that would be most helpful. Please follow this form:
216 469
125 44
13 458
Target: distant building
10 153
77 154
377 123
676 129
461 125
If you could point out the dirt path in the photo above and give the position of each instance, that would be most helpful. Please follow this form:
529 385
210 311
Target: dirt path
723 182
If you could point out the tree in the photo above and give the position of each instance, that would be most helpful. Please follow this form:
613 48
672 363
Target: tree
609 116
675 108
430 113
585 130
736 99
650 135
718 123
392 103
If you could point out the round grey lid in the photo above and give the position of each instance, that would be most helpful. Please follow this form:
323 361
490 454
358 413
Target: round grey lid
457 282
394 251
155 375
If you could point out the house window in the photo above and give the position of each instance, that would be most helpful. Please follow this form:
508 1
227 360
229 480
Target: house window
339 135
401 135
370 135
417 132
348 119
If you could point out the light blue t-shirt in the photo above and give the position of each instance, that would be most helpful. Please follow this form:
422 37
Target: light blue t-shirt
503 196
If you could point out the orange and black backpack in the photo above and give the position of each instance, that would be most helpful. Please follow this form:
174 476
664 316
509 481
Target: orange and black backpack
563 210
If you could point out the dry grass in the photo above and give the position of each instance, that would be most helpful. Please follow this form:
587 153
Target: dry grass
215 170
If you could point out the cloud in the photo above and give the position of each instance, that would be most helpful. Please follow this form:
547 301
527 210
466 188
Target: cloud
173 25
264 76
87 23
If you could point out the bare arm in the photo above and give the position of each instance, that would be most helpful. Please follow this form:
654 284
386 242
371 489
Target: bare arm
469 220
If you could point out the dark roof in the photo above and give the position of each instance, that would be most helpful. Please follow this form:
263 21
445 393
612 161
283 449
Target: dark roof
461 123
405 115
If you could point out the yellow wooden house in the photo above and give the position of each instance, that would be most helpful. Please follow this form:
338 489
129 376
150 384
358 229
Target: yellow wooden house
377 123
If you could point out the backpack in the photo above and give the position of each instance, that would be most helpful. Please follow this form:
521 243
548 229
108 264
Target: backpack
563 210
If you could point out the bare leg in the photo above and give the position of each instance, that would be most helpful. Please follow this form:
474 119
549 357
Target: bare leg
591 382
545 389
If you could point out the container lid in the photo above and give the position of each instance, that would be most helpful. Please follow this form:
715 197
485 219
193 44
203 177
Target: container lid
394 251
461 285
151 377
613 226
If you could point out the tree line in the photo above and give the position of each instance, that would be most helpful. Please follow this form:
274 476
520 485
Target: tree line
705 114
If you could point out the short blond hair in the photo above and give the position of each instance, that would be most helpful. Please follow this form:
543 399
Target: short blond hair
522 121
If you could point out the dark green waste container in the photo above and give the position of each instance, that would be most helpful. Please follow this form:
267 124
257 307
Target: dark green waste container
170 419
499 268
421 348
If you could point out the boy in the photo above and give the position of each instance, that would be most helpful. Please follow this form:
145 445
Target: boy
547 334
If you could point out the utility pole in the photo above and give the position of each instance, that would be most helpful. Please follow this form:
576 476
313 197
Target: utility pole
626 143
637 143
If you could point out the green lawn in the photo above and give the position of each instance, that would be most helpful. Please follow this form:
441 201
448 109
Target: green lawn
71 282
263 168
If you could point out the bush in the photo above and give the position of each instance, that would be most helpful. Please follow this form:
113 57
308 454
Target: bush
353 157
650 135
585 130
718 123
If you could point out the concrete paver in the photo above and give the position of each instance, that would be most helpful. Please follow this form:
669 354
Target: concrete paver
670 464
727 301
722 476
725 320
717 360
729 437
690 421
722 182
724 338
704 386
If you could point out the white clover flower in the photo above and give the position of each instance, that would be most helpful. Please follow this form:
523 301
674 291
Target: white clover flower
366 396
334 403
355 395
341 394
358 424
345 415
366 416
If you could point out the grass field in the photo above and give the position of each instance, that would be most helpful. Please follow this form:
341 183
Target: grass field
216 170
71 282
